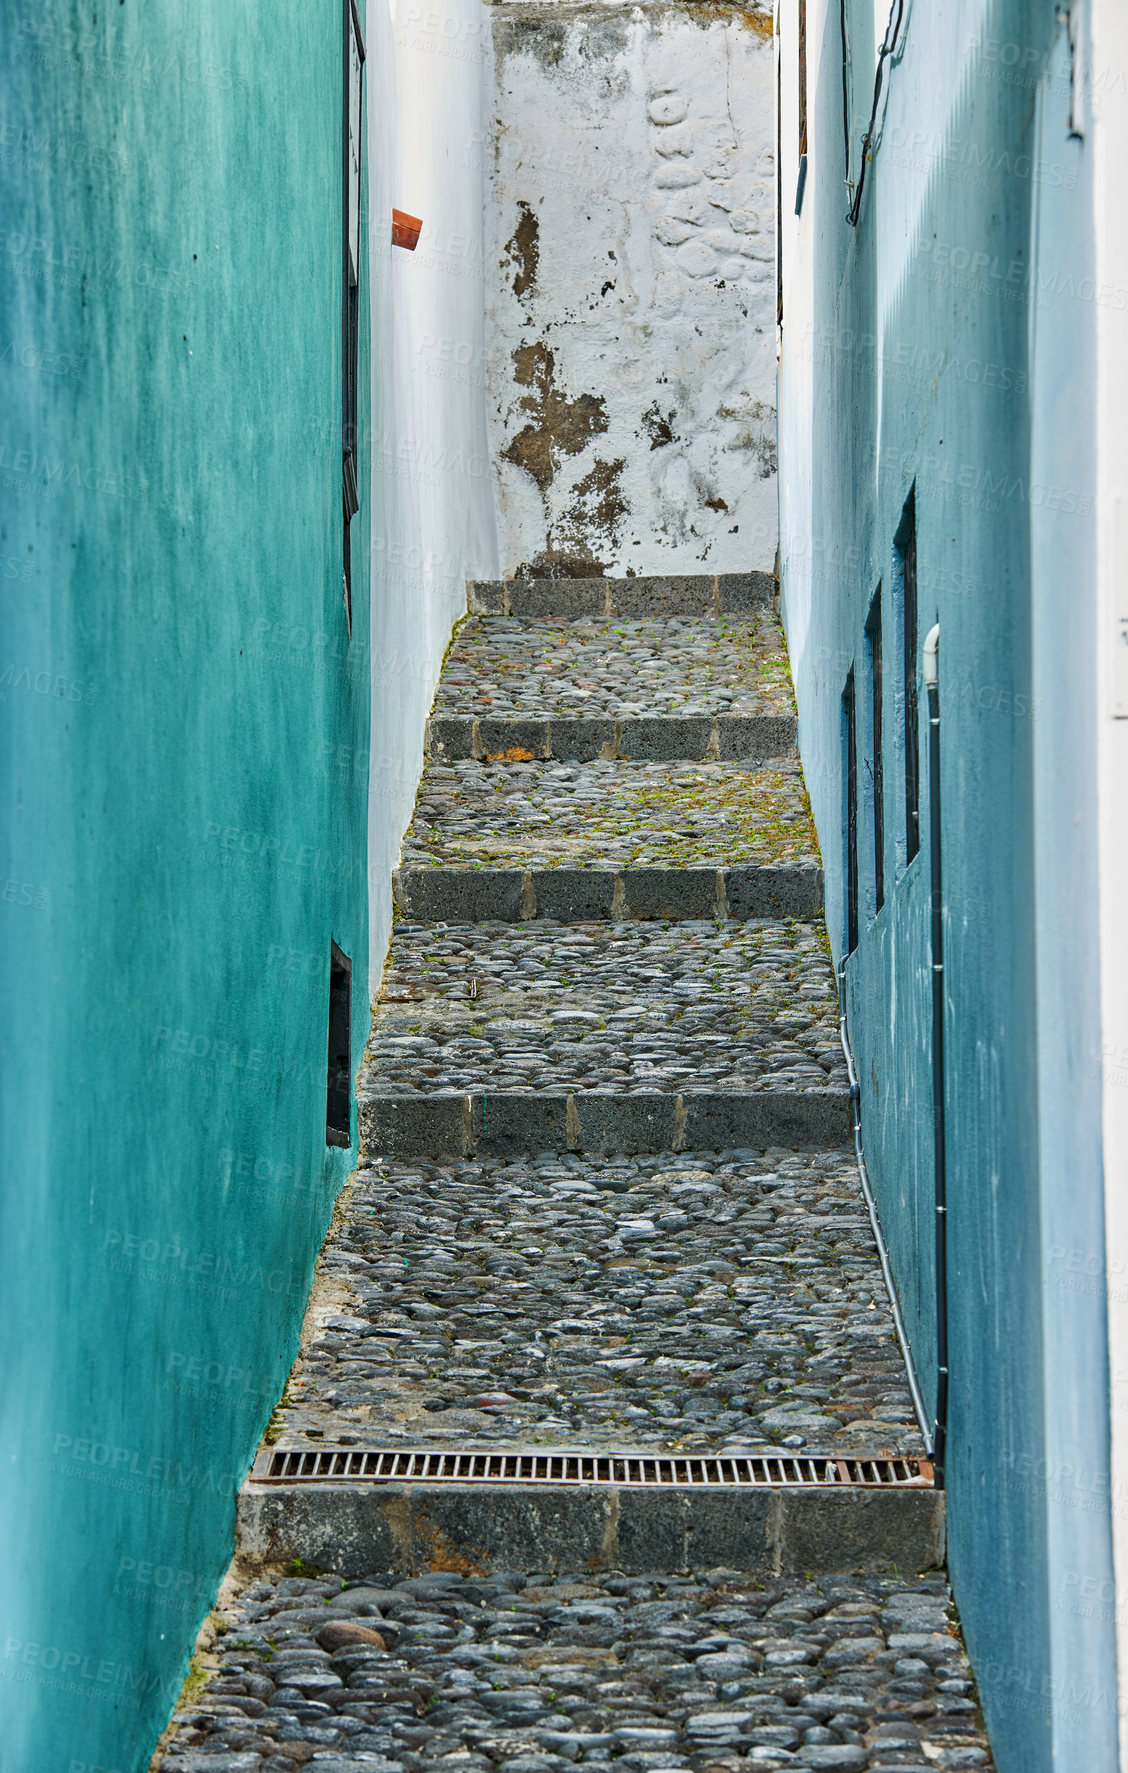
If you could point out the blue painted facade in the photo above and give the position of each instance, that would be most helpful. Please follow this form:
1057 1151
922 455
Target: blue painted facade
939 355
185 809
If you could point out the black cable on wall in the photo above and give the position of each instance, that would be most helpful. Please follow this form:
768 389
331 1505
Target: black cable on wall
889 44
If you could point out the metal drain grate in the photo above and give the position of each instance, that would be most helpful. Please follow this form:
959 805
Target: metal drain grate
374 1465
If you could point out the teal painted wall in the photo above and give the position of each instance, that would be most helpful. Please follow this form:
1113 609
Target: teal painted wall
184 813
947 341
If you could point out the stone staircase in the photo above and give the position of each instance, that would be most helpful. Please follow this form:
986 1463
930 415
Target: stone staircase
599 1446
533 813
607 977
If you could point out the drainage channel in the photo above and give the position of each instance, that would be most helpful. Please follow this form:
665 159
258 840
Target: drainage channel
753 1471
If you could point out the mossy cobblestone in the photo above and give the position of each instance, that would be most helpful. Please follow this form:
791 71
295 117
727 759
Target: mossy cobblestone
518 814
499 666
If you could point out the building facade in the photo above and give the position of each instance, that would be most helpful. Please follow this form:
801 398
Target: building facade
185 700
952 384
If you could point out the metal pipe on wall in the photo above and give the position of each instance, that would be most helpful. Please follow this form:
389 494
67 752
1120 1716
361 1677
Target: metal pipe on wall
932 685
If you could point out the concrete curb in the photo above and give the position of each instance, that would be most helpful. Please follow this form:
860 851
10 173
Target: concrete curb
665 738
516 1121
350 1530
686 594
585 895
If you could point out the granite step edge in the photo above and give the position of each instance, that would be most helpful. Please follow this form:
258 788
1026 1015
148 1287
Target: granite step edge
677 594
512 1122
722 738
349 1529
593 895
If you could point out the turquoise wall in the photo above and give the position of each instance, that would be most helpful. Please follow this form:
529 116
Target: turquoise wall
946 341
184 813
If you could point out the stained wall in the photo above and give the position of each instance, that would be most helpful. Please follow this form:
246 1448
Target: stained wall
631 359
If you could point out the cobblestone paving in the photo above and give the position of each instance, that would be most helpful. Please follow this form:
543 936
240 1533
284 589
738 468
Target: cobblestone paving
700 1301
704 1301
684 1006
501 666
614 814
530 1674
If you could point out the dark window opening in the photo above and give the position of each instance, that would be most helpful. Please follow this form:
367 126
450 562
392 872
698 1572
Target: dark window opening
849 733
873 637
802 59
779 193
907 547
338 1095
802 78
350 317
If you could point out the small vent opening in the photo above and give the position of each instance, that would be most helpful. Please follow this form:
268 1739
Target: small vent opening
338 1095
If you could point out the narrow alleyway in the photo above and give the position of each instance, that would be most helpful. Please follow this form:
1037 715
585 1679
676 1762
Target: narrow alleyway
607 1204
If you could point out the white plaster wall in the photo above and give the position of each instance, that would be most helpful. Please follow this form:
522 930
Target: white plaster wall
632 325
428 73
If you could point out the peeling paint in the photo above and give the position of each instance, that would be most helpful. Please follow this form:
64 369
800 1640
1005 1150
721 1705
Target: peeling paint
632 360
561 427
579 543
659 426
598 503
523 250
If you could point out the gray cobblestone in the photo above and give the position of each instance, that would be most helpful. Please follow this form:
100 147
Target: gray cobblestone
693 1301
710 1671
683 1006
499 666
608 814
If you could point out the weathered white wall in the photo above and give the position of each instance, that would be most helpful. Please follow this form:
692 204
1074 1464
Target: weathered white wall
632 325
432 494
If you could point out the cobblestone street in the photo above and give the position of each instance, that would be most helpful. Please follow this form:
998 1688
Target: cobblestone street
552 1242
565 697
535 1673
502 667
600 1006
696 1301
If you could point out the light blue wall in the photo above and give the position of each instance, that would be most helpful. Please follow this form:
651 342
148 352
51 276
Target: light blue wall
184 822
947 340
1064 656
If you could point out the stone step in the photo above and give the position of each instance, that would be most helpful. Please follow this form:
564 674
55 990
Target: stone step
685 594
583 895
579 738
350 1529
515 1121
616 669
698 1303
591 1009
540 1671
516 813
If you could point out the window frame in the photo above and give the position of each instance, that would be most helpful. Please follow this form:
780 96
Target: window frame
352 158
